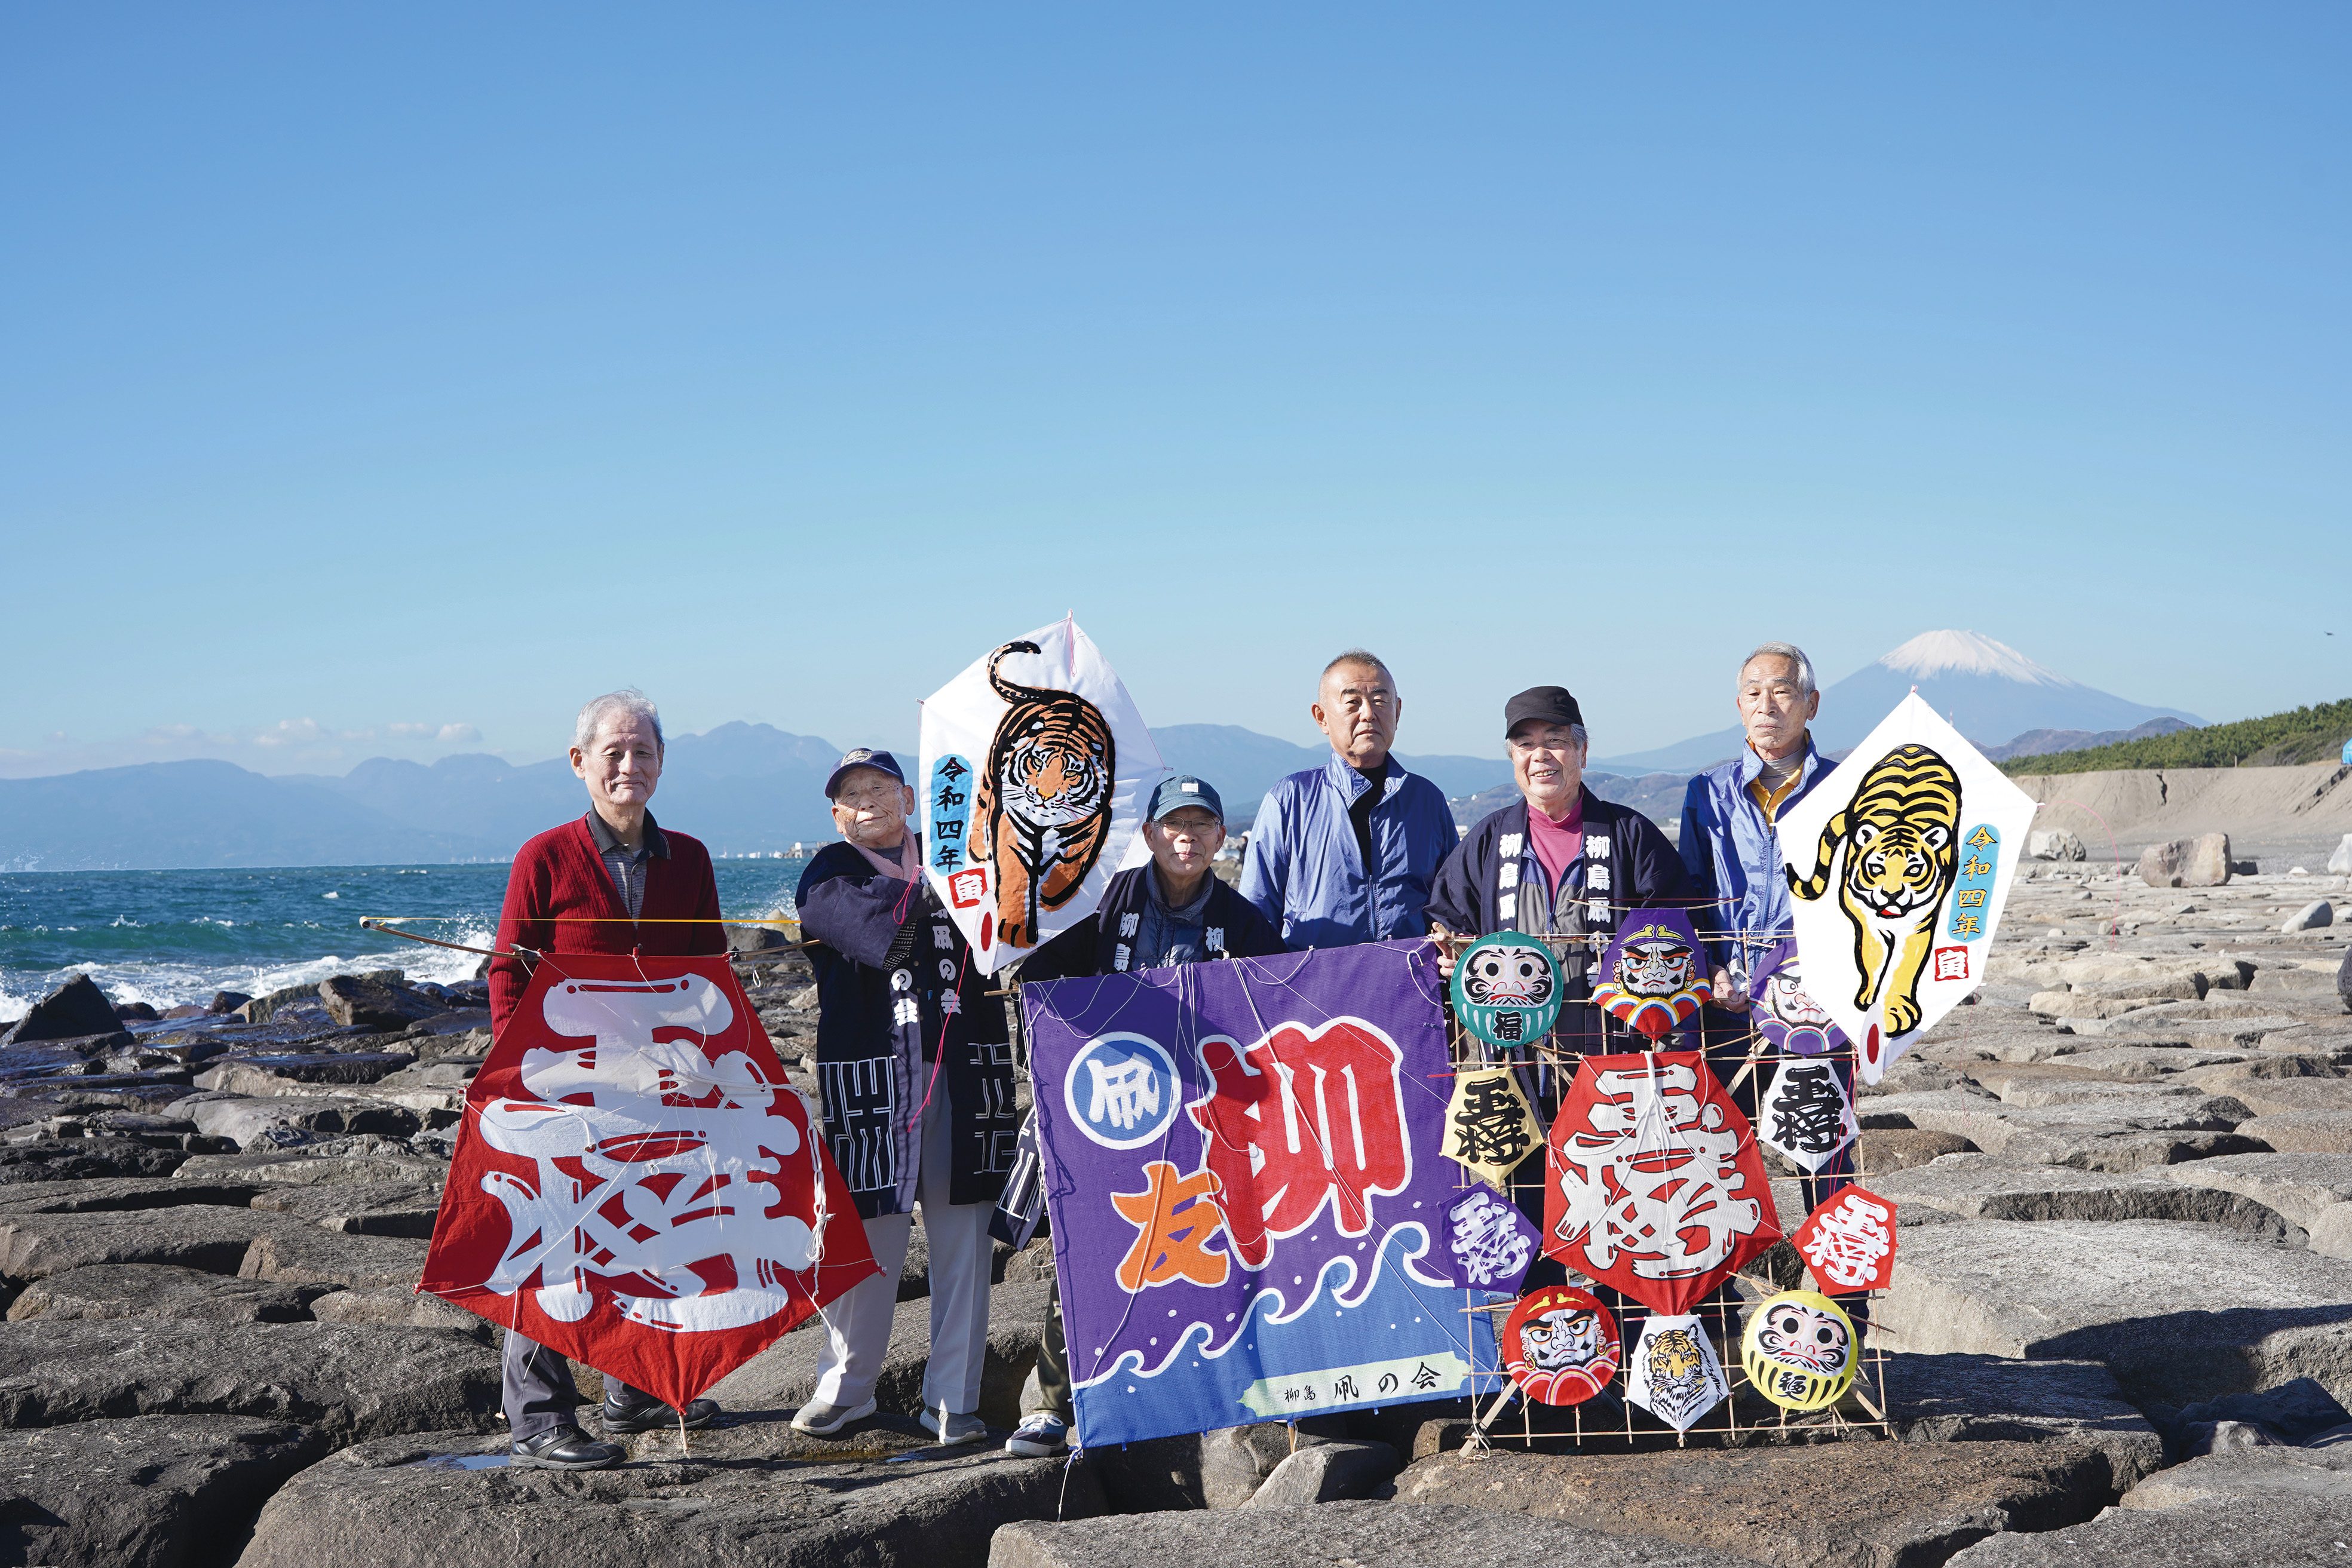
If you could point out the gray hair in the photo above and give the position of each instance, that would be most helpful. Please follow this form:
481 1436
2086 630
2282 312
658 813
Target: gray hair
627 700
1360 656
1794 654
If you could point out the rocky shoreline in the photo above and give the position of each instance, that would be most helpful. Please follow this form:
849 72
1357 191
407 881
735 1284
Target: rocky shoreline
2120 1327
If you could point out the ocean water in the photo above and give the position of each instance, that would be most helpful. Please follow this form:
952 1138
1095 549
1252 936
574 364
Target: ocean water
165 937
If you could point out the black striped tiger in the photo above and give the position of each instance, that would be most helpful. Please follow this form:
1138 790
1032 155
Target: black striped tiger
1900 835
1041 810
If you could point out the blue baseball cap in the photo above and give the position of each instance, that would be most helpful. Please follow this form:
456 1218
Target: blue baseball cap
863 757
1176 793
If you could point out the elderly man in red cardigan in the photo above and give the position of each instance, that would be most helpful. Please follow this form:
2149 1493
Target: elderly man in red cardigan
610 882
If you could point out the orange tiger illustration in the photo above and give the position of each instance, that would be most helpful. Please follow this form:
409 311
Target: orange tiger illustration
1041 807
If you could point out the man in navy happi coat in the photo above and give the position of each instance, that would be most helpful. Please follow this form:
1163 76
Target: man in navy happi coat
915 1070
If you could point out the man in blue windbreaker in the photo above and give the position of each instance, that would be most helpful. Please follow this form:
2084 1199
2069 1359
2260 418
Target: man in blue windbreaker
1728 840
1344 853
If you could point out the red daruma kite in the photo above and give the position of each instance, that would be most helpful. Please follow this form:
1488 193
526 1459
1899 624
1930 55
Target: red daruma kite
636 1184
1655 1187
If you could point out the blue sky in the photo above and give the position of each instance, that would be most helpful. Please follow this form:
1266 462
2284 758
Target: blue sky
437 367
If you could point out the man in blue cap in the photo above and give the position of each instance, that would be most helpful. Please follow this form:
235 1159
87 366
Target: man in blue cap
915 1073
1172 910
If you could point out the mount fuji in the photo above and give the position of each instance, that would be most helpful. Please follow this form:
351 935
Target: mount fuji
1989 692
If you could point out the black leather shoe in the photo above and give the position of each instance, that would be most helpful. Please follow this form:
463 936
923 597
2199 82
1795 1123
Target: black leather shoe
565 1449
656 1416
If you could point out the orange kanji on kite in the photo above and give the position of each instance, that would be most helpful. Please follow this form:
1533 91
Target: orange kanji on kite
1174 1218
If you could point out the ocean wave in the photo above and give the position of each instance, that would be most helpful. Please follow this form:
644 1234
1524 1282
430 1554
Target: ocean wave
1409 1240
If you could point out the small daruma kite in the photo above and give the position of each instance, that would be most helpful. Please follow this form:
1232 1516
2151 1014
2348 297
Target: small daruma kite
635 1183
1654 974
1559 1345
1036 767
1506 990
1900 862
1800 1351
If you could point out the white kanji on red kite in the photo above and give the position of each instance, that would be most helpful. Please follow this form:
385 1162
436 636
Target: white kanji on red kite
635 1183
1849 1242
1654 1185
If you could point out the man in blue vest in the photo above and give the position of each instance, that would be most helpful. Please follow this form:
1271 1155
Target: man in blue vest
1343 854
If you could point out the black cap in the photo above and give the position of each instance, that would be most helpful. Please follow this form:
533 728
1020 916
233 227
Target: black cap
1545 704
863 757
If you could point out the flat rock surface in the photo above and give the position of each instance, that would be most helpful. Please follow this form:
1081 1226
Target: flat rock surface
1956 1398
1987 1186
2301 1186
2220 1533
2179 1312
104 1290
2261 1477
149 1492
781 1378
294 1168
1311 1536
347 1380
311 1255
746 1496
212 1240
1869 1505
2303 1132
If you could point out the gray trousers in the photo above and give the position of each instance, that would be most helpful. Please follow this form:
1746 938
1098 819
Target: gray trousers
536 1385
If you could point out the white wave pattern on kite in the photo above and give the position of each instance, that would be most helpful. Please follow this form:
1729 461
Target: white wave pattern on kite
1409 1240
615 1106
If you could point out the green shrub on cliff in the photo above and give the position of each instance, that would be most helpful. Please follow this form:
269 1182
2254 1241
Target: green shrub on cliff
2279 740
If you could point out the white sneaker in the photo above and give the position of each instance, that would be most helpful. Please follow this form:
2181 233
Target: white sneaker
1039 1436
824 1420
966 1429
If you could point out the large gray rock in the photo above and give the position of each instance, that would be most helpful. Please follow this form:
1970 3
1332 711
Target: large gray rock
146 1291
2187 863
2118 1132
103 1195
2263 1477
211 1240
276 1121
46 1160
2055 844
398 1306
2303 1132
1383 1533
74 1010
301 1168
781 1378
1956 1398
2177 1312
311 1255
757 1494
368 1002
1837 1505
349 1382
2222 1533
2307 1189
2272 1096
1328 1472
150 1491
2310 917
262 1076
1217 1470
1985 1187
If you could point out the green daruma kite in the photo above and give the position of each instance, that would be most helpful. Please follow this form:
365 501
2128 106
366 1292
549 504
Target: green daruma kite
1506 990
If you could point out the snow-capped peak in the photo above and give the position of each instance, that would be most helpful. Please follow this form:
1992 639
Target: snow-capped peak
1968 654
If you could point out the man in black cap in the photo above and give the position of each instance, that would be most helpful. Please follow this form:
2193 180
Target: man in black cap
1561 864
915 1071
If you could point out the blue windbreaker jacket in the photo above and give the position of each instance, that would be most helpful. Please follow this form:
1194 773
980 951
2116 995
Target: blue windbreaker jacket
1734 855
1305 875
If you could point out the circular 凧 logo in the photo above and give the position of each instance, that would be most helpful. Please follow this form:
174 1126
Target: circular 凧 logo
1122 1091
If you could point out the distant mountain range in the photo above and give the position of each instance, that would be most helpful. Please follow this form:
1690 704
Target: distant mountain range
751 788
1992 693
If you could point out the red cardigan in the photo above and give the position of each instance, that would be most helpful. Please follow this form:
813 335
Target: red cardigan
559 873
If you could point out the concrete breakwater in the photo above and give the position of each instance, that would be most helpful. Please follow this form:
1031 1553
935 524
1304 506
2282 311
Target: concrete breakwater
2125 1184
